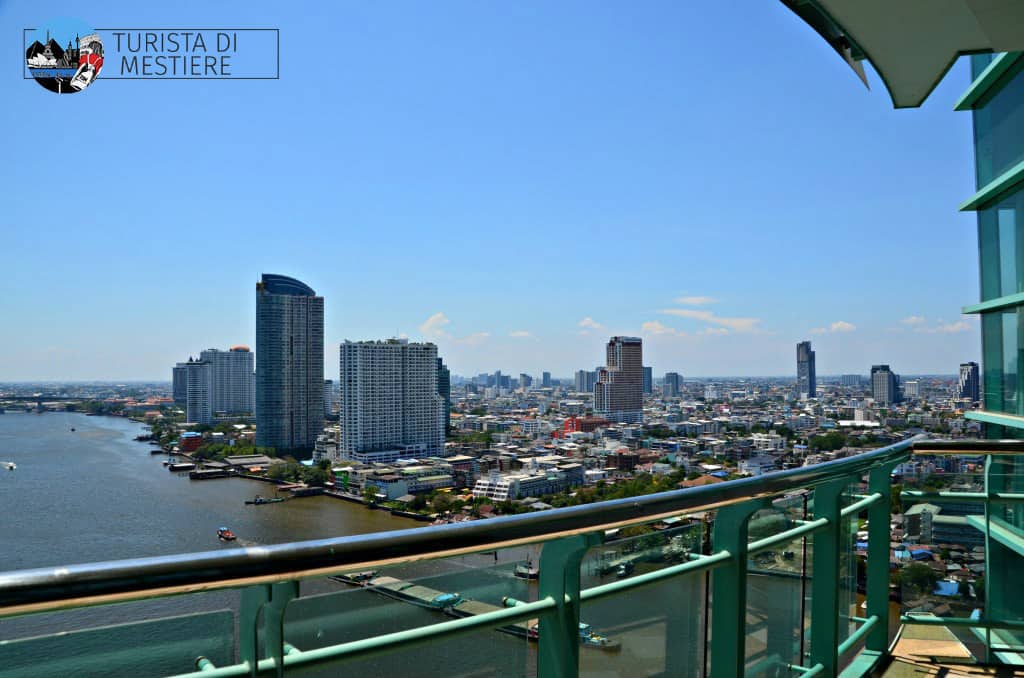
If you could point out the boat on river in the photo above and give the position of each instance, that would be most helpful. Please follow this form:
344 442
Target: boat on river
224 534
527 570
259 501
10 465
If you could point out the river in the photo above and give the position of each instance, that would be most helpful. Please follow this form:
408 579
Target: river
96 494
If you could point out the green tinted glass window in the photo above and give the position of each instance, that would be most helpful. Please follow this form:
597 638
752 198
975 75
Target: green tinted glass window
1001 245
999 129
1003 339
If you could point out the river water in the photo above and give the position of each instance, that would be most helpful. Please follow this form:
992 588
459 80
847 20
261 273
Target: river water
96 494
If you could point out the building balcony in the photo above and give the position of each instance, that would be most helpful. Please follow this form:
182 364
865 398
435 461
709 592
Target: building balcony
790 573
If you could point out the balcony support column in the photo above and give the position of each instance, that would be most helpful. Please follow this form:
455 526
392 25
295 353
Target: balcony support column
877 588
729 590
273 621
253 600
826 561
558 642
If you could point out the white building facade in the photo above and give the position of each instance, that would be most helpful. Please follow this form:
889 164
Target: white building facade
389 400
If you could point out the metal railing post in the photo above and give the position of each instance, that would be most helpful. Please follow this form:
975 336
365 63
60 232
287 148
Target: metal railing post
729 590
826 561
558 642
877 586
253 600
273 621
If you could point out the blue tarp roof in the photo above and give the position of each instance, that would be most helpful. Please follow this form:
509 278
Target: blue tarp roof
720 474
946 588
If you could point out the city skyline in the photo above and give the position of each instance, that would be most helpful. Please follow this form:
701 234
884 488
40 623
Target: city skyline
512 203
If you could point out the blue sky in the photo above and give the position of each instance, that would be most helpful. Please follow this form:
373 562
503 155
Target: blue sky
515 181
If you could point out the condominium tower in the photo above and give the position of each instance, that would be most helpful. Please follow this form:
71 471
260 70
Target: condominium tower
234 383
289 364
199 391
618 393
672 386
885 385
806 378
444 389
390 405
969 385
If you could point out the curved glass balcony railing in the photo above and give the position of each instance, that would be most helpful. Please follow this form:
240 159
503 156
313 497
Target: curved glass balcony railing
909 550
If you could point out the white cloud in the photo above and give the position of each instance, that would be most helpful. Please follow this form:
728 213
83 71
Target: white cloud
654 327
696 301
519 333
713 331
474 339
840 326
590 323
736 324
945 328
434 326
913 320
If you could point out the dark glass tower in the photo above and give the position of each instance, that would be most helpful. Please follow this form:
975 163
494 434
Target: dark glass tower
444 389
289 364
806 379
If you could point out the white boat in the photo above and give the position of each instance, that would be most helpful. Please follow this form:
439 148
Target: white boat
10 465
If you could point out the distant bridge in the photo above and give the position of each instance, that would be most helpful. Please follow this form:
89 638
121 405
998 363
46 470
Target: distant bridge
40 398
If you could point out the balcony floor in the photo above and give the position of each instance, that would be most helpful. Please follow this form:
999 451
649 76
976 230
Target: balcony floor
936 651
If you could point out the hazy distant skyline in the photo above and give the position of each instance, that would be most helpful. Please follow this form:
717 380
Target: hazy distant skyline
515 182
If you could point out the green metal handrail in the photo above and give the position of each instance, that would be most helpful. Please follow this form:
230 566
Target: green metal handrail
268 576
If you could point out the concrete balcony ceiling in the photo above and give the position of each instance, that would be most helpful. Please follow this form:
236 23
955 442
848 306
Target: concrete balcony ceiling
912 43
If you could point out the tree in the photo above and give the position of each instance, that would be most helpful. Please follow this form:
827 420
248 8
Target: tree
920 577
370 494
895 503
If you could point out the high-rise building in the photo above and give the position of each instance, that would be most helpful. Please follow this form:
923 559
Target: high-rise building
179 383
912 389
390 405
234 383
618 394
806 378
851 380
199 396
969 385
585 380
884 385
545 380
648 379
330 398
525 381
289 364
444 389
672 386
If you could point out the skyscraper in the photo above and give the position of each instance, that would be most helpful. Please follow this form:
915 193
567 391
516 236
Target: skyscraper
179 383
969 385
672 386
585 380
444 389
289 364
806 379
648 380
199 394
545 380
330 398
618 394
234 383
390 405
884 385
525 381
